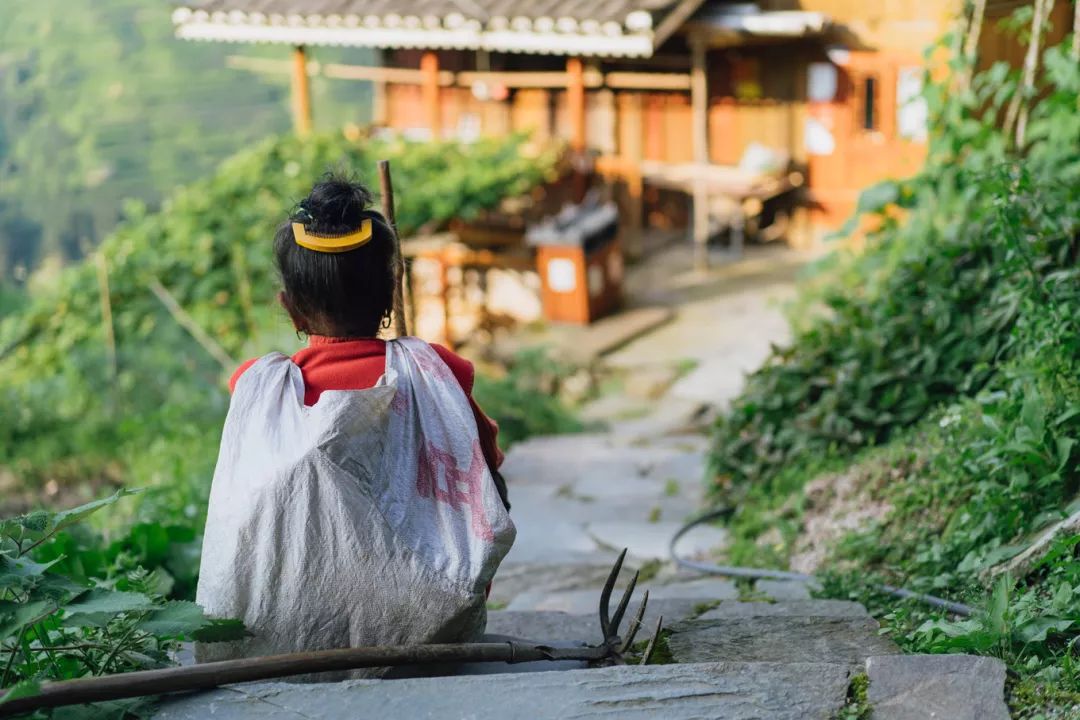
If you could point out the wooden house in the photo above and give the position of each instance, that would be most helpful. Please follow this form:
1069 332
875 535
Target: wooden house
659 93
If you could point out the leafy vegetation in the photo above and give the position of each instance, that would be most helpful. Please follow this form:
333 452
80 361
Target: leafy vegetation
526 399
942 371
61 621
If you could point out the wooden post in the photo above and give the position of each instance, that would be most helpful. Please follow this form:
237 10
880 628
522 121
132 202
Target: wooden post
386 186
301 92
380 113
575 103
429 67
699 101
632 132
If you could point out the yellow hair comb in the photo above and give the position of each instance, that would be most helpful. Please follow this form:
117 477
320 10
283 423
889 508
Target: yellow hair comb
332 243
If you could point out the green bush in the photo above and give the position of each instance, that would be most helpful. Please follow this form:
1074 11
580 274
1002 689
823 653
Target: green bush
55 624
941 367
524 402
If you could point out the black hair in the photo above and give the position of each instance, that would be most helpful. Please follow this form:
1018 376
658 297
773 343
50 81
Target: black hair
345 294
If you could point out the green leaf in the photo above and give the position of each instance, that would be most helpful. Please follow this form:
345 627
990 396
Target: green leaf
67 518
997 614
1037 629
21 572
98 606
876 197
24 689
175 618
41 524
16 616
1065 447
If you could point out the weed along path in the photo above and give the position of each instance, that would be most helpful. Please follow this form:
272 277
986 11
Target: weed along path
728 650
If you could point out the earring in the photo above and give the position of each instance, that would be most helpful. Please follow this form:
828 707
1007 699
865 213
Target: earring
386 322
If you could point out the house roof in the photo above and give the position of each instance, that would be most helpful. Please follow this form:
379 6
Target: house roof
578 27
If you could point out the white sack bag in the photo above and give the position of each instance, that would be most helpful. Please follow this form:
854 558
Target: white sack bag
370 518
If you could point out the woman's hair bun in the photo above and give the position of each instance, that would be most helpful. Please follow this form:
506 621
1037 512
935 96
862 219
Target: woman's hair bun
336 205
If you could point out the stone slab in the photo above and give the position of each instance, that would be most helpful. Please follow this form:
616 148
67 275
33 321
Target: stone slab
942 687
514 580
733 691
783 589
840 640
582 602
790 608
566 459
650 541
545 626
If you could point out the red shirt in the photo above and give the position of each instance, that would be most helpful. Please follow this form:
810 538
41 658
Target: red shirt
329 363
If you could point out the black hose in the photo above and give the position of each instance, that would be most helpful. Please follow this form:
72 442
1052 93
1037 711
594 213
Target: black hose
762 574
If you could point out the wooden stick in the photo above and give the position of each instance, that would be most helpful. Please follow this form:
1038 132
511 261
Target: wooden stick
386 186
1016 113
187 322
211 675
971 43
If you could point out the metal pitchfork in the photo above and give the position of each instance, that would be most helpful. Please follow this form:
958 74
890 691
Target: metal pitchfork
211 675
609 625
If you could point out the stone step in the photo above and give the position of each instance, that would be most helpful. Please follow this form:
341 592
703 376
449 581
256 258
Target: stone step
733 691
958 687
602 458
585 601
645 540
545 626
790 608
778 638
516 579
783 589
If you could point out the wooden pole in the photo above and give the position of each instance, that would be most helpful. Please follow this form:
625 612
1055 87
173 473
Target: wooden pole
1016 114
699 101
301 92
380 112
386 187
211 675
971 42
575 102
1076 33
632 133
429 67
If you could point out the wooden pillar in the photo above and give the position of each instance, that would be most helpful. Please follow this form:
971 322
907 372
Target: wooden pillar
699 102
301 92
380 111
575 102
632 133
429 66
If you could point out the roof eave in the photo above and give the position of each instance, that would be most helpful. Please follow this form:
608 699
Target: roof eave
590 45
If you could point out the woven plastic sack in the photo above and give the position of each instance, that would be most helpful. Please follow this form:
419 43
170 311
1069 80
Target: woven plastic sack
370 518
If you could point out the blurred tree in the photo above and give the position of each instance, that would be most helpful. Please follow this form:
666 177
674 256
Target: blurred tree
100 103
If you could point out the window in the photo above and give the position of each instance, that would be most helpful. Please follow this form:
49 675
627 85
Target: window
869 104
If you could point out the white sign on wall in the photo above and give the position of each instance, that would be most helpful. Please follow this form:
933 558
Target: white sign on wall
561 275
912 115
819 139
822 79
